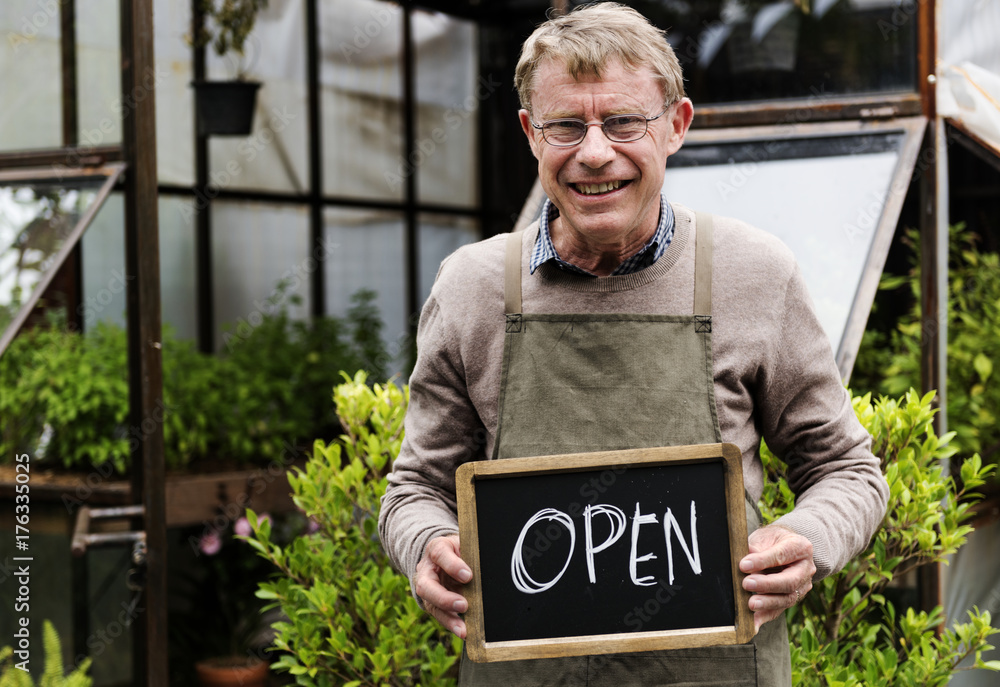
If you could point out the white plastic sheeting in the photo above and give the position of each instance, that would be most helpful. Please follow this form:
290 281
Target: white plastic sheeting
969 93
969 70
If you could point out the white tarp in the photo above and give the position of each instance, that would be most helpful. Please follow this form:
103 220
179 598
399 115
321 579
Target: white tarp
969 69
969 92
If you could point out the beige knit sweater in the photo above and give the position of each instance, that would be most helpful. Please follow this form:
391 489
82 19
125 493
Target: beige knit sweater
775 378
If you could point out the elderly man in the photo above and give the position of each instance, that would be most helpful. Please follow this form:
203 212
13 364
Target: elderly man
685 329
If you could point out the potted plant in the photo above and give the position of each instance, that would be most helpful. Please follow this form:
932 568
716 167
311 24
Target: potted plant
226 107
225 626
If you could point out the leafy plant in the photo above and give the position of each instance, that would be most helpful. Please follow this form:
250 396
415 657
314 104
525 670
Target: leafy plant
889 362
66 395
351 618
73 385
217 614
228 24
54 674
847 631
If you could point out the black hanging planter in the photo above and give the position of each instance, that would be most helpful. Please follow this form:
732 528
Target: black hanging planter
224 108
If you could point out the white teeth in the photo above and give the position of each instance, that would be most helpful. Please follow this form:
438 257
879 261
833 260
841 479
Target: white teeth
591 189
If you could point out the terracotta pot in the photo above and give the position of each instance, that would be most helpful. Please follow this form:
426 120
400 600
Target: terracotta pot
232 671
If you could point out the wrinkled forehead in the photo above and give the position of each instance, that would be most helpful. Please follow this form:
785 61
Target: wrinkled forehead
616 88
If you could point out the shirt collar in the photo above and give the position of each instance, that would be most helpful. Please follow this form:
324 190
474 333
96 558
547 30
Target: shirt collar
544 250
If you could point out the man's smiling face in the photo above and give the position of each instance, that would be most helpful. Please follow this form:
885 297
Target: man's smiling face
608 193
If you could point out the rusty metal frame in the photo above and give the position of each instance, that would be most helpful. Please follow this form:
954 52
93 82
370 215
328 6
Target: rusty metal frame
804 110
142 267
111 174
913 127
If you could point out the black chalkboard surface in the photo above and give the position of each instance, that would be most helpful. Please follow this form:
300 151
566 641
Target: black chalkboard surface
604 552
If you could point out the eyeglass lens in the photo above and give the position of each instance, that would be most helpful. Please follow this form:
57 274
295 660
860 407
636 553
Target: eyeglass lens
620 128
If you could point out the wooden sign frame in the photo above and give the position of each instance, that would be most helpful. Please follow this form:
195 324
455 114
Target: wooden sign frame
469 474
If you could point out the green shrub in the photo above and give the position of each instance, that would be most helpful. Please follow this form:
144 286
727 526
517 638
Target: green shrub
889 362
847 631
65 395
53 675
351 618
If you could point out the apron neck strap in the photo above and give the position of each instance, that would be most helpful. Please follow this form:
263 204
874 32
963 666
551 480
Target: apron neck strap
703 264
702 268
512 274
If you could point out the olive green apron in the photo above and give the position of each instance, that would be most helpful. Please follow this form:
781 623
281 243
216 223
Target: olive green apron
578 383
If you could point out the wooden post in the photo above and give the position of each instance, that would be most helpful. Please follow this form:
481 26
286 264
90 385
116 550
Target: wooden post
142 265
933 167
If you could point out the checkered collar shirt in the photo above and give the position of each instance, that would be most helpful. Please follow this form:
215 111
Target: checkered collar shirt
545 250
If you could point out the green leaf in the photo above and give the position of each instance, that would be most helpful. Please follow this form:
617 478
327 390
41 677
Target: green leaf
983 366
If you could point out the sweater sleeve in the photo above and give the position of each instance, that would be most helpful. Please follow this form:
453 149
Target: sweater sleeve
808 420
442 431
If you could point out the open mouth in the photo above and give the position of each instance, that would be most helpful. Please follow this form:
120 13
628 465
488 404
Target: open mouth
598 189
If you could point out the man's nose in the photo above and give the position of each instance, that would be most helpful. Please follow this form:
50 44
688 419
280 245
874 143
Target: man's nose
595 150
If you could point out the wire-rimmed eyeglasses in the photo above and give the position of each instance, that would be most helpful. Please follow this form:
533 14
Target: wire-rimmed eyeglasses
622 128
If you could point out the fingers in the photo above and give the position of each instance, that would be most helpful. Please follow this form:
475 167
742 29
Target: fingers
781 569
775 547
439 578
445 552
784 581
449 619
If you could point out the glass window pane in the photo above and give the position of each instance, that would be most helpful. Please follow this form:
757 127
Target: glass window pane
823 197
366 252
254 247
735 50
448 98
104 281
440 236
174 95
178 283
98 73
273 157
30 89
360 84
36 220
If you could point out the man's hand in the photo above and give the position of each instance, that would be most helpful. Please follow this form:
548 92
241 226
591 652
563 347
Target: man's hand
780 569
440 575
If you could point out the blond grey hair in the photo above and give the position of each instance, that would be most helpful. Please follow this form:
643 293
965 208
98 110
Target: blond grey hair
590 37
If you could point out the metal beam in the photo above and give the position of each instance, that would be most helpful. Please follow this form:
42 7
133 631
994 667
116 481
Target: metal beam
315 135
411 240
142 265
205 301
933 256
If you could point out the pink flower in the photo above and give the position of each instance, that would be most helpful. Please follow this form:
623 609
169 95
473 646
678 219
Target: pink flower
210 543
242 527
313 526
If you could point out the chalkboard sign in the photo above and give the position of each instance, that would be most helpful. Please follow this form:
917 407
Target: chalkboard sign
606 552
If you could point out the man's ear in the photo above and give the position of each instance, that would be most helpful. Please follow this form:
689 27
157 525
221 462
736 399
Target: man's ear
529 131
680 121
